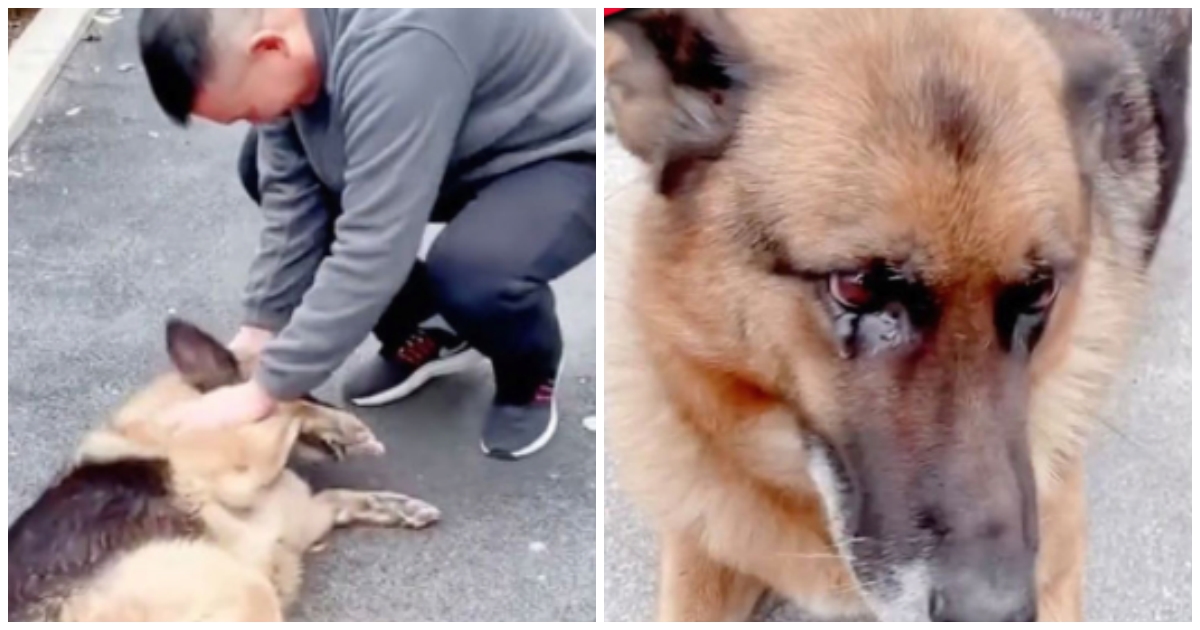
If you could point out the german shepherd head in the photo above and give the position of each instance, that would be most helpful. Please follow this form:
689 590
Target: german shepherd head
202 364
916 232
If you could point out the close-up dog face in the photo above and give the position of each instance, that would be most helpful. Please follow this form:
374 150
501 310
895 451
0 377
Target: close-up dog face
879 223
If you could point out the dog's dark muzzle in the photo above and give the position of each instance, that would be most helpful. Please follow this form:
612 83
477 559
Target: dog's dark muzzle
967 517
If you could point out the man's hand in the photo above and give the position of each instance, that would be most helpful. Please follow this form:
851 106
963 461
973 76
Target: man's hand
225 407
250 341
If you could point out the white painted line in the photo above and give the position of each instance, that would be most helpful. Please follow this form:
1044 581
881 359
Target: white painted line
35 59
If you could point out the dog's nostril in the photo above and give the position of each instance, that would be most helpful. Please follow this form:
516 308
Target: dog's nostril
951 603
993 530
1027 614
937 606
929 521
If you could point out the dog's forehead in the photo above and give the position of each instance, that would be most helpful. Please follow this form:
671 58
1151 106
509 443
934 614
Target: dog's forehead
887 154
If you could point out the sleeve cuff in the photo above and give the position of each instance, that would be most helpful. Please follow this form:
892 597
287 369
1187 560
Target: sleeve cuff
266 320
276 385
285 385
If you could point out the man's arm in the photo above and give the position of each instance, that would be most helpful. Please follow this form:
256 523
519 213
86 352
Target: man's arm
402 98
295 234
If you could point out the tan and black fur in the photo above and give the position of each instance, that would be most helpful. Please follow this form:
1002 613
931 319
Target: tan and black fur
155 523
996 179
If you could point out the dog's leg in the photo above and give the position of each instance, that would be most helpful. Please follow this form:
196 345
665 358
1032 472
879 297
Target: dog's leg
694 587
353 507
265 447
313 517
299 522
1061 562
327 430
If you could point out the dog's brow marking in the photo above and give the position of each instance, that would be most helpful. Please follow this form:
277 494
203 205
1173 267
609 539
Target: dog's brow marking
755 233
956 124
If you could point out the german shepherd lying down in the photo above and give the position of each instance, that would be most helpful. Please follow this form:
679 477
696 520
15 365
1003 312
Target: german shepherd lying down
150 524
889 270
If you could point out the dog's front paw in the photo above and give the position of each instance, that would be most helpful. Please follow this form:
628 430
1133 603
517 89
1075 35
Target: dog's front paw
381 508
337 433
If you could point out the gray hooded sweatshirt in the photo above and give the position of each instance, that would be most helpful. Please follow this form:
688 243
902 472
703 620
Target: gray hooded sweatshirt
412 99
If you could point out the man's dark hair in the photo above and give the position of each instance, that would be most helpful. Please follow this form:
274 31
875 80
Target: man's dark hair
176 47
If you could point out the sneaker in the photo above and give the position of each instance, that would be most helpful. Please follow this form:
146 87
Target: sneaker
516 430
390 376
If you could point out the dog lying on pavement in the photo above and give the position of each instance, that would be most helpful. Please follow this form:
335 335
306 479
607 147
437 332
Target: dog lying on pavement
154 524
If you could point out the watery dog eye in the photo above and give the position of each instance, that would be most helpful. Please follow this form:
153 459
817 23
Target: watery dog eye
859 291
1023 309
1041 293
851 290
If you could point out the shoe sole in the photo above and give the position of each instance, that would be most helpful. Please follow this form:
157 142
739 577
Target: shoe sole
543 439
443 367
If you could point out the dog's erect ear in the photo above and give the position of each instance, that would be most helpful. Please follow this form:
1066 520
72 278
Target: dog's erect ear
202 361
674 80
1110 111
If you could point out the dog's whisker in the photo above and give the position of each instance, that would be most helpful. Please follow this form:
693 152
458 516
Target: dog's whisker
855 586
810 556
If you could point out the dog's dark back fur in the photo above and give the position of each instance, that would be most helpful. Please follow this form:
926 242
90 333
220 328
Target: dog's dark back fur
95 513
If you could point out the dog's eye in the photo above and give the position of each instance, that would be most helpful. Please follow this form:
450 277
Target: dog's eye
1023 309
860 291
850 290
1038 294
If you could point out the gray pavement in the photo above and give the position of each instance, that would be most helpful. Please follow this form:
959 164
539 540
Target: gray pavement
117 218
1140 540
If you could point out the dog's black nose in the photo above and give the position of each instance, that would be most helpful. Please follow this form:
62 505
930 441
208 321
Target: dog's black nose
966 602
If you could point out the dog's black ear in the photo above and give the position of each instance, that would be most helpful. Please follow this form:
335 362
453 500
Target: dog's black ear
675 80
202 361
1105 95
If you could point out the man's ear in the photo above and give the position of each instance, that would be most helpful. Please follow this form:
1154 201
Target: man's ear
675 81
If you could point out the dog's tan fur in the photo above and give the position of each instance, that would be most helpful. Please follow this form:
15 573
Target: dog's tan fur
258 518
701 352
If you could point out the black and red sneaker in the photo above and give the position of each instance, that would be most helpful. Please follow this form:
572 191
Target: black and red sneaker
397 372
519 426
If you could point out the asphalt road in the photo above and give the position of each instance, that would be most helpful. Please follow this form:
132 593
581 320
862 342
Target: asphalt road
1140 540
117 219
